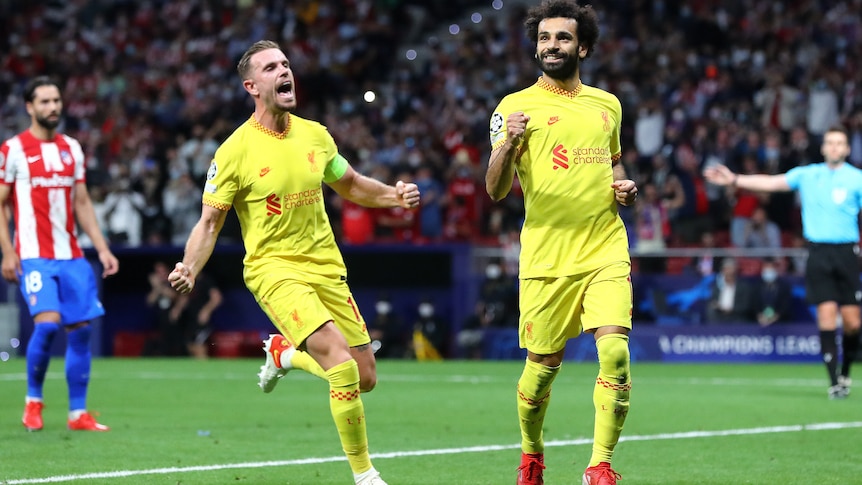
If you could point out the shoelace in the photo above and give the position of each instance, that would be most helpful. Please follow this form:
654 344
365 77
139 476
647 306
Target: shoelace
609 473
530 469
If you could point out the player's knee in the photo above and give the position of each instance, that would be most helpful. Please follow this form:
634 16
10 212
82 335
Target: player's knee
613 350
367 383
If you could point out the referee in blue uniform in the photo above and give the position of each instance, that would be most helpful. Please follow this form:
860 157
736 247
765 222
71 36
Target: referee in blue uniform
831 198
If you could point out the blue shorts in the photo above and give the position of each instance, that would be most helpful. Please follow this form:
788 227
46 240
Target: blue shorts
65 286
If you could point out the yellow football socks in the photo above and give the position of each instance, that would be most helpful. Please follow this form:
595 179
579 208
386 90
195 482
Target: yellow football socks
534 394
349 414
611 395
301 360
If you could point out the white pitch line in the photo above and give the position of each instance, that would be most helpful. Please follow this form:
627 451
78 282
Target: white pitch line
442 451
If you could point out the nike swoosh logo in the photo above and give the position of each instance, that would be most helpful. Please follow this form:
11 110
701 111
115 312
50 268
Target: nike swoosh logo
553 120
264 171
34 159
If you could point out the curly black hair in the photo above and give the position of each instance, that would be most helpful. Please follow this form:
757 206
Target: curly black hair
588 21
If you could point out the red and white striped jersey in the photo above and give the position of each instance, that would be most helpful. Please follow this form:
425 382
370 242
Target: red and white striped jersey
43 175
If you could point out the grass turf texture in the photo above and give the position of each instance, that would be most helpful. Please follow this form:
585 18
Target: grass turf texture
169 416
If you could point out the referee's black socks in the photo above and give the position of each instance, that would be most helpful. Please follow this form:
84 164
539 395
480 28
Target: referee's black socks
850 347
829 351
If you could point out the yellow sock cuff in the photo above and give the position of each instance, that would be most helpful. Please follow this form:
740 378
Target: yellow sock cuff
345 374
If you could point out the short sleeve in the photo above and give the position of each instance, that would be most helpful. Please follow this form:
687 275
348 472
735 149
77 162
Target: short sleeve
497 128
794 177
222 181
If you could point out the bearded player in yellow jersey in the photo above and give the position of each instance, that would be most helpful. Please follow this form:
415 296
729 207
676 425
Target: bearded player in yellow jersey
271 171
562 138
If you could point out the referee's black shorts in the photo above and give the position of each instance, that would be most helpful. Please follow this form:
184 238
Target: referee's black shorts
832 273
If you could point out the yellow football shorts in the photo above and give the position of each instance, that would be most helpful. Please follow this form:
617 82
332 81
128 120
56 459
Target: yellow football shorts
298 309
553 310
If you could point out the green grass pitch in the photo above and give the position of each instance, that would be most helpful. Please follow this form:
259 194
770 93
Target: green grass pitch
206 422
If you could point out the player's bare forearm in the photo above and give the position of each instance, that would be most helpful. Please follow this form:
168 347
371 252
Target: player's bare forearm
619 171
369 192
625 190
721 175
202 239
501 171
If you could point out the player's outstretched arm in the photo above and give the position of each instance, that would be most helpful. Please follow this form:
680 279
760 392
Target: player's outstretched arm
199 248
369 192
721 175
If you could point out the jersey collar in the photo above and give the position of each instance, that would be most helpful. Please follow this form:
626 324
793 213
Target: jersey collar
562 92
281 136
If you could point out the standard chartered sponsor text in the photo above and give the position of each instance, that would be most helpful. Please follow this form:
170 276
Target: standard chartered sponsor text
304 198
591 155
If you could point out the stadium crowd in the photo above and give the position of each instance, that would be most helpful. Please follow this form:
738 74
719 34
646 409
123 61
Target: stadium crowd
150 91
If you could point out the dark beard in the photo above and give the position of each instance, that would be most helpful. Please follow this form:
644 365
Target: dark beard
48 124
565 70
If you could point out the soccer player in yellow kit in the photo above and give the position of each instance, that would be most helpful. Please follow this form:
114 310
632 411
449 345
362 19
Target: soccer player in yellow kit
271 171
563 140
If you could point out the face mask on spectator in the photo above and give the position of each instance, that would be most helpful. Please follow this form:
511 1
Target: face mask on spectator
769 275
383 307
426 310
493 271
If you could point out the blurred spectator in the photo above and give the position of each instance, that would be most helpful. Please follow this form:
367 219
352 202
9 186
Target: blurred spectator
430 333
182 203
799 261
357 222
97 195
760 232
705 264
823 105
499 292
123 207
197 152
168 340
694 217
649 129
431 210
771 295
462 199
388 339
743 203
667 185
470 339
780 104
652 225
729 299
194 312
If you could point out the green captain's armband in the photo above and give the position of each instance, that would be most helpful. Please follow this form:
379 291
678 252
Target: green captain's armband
335 169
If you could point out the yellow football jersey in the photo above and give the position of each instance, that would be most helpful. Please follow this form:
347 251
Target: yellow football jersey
572 223
274 183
